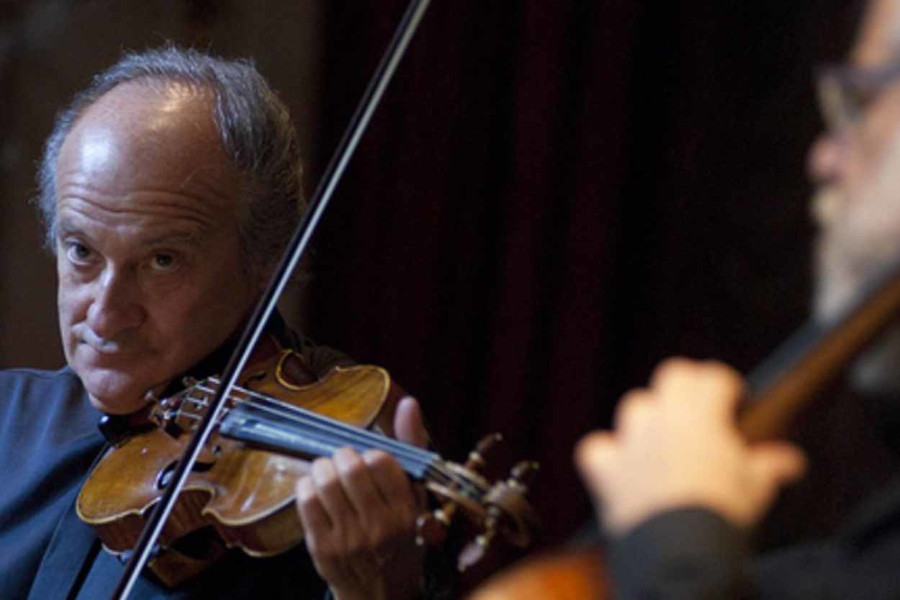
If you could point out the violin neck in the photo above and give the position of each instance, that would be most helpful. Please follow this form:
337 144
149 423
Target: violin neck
309 437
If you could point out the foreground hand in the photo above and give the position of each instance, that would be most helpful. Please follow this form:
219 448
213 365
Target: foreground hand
358 514
675 444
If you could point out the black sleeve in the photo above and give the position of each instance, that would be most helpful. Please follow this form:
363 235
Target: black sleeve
686 554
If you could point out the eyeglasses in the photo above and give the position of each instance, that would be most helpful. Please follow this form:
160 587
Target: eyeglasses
844 92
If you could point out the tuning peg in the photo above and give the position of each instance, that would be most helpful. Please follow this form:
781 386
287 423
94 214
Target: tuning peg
475 550
475 459
472 553
431 528
523 473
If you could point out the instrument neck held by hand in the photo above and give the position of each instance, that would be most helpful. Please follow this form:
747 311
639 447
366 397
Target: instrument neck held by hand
784 384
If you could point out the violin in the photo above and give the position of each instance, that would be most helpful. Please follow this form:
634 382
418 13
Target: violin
778 391
241 490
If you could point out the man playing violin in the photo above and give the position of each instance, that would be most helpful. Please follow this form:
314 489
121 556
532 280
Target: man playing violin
674 482
168 189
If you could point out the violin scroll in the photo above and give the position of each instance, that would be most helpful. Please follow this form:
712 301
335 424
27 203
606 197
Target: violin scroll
496 509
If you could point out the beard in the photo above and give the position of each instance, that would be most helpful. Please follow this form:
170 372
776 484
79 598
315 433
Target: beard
858 239
847 264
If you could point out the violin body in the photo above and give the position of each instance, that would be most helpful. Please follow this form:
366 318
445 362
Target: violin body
575 575
236 496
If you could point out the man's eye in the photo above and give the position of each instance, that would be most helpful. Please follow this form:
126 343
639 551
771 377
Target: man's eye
163 261
78 252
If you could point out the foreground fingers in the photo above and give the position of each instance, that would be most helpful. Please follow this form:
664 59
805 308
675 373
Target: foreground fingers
709 385
675 444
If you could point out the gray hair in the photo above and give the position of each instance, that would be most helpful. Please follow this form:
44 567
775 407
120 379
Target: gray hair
254 126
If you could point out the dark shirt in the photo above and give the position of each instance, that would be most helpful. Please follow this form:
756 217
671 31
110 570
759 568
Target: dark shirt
48 440
695 554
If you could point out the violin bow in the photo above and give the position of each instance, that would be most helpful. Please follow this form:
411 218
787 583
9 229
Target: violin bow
147 541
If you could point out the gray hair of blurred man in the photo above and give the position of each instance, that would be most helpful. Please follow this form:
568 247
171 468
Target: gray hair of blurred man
254 126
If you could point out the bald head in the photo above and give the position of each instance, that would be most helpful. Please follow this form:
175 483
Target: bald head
144 132
251 123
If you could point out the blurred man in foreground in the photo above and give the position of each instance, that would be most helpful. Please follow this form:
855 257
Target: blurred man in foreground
675 485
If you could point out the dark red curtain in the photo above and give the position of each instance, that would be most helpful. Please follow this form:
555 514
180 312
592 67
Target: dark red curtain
556 195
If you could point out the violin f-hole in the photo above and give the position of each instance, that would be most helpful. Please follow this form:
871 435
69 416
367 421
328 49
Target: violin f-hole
165 475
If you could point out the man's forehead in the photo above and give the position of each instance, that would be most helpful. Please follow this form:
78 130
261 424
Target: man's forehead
878 38
146 223
150 113
135 140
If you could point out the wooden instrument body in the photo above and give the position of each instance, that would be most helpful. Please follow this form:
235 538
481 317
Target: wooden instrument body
235 496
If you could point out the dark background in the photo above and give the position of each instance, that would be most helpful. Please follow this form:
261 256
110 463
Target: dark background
553 196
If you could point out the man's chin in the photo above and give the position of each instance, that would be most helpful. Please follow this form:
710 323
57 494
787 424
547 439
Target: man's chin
114 393
837 281
117 406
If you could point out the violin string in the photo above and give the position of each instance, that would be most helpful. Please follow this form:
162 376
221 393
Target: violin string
339 435
302 417
299 416
300 426
435 471
346 433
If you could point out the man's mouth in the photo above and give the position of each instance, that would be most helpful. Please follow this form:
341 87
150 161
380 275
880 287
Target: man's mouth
102 345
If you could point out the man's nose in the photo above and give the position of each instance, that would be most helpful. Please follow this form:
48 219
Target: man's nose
115 307
826 158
